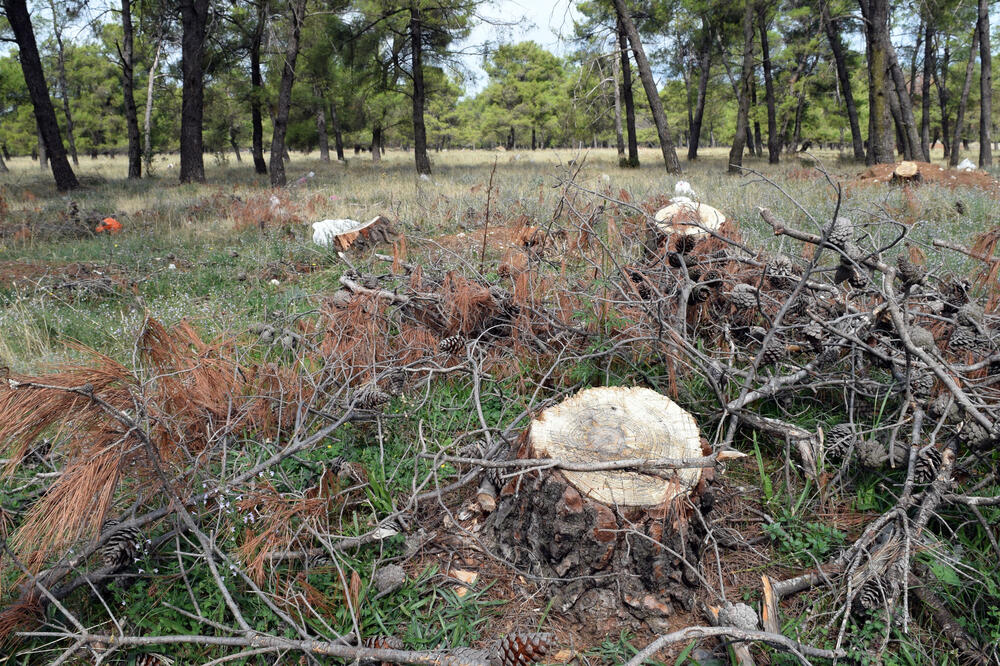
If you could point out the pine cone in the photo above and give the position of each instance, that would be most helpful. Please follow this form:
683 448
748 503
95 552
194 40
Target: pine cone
814 334
700 293
465 656
970 315
973 435
371 397
909 272
152 659
395 382
452 344
122 546
743 296
829 356
520 649
381 643
870 597
779 272
962 339
955 293
870 453
840 231
839 440
922 383
925 468
857 279
774 353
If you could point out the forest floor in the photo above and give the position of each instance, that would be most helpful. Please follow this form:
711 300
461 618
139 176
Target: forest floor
231 254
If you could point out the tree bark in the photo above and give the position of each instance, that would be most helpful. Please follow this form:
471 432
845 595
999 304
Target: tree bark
742 114
963 101
619 138
941 81
234 145
43 155
63 82
324 141
423 162
377 141
147 123
925 88
985 87
909 125
626 70
338 137
704 71
278 148
773 139
758 144
3 164
880 139
837 46
670 160
194 18
38 91
128 90
257 91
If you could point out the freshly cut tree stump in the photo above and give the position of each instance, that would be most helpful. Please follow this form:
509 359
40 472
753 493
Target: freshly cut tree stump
614 545
906 172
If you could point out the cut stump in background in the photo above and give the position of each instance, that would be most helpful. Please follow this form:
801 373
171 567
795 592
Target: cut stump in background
614 545
906 172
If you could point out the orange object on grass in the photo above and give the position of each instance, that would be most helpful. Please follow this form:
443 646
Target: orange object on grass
109 224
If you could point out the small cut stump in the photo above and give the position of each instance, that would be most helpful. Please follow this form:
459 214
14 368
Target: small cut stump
614 545
906 172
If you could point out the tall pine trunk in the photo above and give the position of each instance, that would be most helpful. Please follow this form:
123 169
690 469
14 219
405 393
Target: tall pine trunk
338 136
619 138
376 148
38 91
257 91
278 148
43 155
925 88
963 101
743 110
128 90
844 76
911 135
670 160
985 87
704 71
941 81
324 141
423 162
194 18
628 97
773 140
880 137
63 82
758 144
147 123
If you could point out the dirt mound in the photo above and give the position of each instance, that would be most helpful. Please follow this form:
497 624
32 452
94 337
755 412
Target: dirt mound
932 173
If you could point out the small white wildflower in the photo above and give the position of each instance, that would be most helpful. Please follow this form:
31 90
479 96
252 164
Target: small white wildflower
172 267
275 282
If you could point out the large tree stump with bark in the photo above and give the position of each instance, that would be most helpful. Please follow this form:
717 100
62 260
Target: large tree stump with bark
617 545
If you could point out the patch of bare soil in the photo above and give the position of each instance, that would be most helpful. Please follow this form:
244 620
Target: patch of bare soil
931 173
13 273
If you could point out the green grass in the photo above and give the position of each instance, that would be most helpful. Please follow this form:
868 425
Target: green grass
221 284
